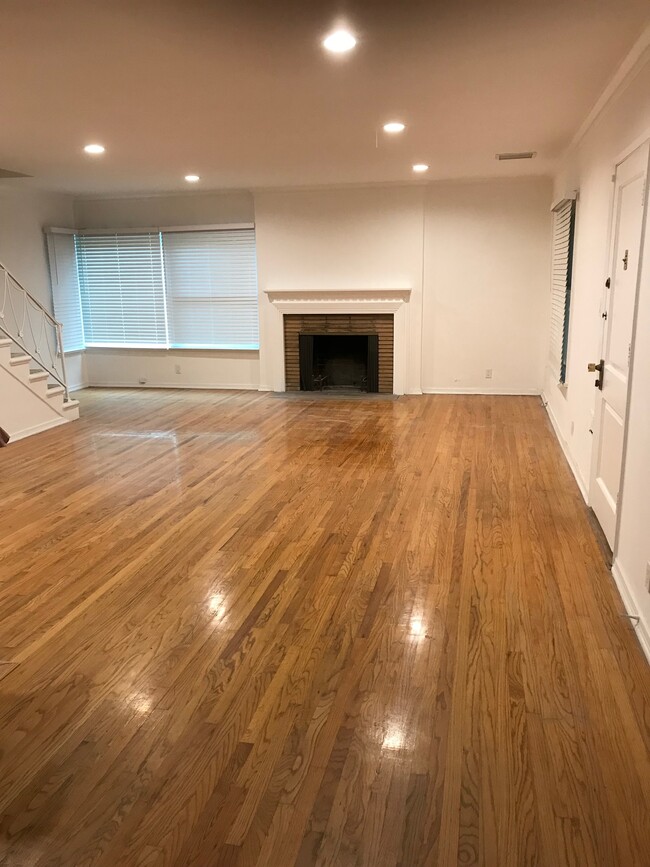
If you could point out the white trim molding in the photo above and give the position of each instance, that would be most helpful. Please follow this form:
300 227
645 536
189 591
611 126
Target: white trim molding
565 448
641 628
347 301
38 428
495 391
626 70
174 386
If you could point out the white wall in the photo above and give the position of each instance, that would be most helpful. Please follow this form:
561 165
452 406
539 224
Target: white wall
160 368
588 168
476 256
486 279
182 209
198 368
478 251
358 238
24 213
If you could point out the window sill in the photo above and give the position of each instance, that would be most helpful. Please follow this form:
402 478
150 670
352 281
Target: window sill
119 347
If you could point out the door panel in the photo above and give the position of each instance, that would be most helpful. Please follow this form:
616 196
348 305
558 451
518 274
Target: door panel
610 410
628 249
611 443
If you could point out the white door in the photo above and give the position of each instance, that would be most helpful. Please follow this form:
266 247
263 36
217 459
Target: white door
618 322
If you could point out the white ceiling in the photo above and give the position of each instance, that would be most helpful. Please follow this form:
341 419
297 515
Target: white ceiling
242 93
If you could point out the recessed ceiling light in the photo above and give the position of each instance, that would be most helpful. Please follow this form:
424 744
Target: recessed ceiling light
94 149
394 126
192 179
420 167
339 42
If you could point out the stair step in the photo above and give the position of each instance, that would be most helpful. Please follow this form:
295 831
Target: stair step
5 342
70 404
53 390
19 359
37 375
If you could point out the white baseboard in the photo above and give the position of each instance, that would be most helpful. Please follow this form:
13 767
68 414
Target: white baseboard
642 628
565 448
525 392
38 428
77 386
216 387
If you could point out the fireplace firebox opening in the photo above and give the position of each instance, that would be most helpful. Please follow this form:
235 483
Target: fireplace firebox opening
339 362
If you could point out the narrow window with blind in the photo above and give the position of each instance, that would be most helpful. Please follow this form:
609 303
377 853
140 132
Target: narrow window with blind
211 288
564 217
65 289
122 289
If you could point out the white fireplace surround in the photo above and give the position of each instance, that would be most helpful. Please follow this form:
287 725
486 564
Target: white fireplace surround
347 301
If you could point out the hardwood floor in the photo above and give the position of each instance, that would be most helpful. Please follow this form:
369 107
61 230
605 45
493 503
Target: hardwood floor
244 629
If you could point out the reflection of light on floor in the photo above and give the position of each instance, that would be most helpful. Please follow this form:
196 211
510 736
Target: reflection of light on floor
217 605
394 739
140 702
417 628
216 436
139 435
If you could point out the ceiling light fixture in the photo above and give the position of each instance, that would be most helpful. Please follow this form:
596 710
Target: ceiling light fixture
394 126
339 42
192 179
94 149
420 167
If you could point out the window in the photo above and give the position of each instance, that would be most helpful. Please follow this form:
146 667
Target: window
152 289
563 242
211 285
122 289
65 289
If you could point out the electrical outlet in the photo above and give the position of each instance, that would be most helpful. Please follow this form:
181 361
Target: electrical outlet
488 373
647 577
573 427
177 368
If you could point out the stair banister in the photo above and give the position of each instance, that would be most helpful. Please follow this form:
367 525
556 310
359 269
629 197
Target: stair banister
56 365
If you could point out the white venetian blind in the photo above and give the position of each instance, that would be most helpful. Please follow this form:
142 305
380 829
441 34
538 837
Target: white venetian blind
563 231
65 288
211 284
122 289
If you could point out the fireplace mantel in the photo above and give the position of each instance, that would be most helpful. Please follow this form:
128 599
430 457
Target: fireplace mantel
377 300
295 297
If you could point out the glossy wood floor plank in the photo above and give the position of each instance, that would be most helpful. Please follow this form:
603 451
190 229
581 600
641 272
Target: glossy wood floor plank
264 631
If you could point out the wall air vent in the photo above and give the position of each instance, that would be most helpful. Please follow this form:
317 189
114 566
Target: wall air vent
5 173
522 155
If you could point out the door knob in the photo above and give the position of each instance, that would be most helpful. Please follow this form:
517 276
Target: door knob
592 367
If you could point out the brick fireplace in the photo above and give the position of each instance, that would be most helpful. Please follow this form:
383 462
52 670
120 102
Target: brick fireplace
380 316
377 328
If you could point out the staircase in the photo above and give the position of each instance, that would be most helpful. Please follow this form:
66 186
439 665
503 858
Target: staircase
33 386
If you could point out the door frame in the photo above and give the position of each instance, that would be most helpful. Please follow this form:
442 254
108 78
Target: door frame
643 139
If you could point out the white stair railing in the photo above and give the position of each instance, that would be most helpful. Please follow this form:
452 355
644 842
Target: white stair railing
31 327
